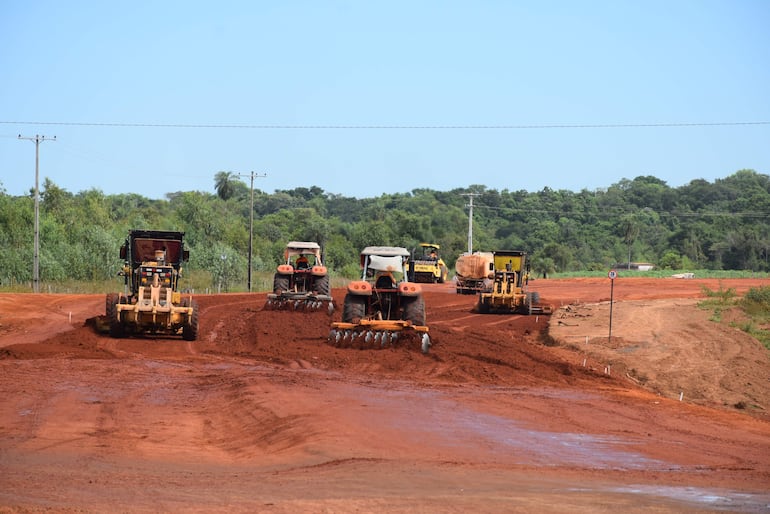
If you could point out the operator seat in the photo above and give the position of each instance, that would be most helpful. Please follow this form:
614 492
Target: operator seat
384 282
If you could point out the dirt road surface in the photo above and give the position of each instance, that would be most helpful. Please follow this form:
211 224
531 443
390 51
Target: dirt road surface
507 413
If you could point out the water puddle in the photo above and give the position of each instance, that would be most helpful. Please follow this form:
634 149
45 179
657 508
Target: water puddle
451 424
442 422
713 500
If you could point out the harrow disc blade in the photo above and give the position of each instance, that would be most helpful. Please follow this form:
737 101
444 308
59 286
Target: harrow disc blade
425 343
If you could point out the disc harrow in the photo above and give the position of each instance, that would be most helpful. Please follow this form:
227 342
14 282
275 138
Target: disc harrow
373 334
299 302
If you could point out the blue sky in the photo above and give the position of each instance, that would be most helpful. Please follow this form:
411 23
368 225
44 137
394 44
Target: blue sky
193 88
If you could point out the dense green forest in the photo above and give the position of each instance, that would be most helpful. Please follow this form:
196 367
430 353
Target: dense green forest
723 225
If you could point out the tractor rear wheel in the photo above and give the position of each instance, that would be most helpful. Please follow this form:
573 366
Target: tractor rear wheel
321 285
190 329
354 308
414 309
280 283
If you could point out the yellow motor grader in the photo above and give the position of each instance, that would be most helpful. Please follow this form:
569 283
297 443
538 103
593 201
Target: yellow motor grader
301 282
153 304
383 307
510 292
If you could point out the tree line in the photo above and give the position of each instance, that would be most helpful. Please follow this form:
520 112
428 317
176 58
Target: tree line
724 225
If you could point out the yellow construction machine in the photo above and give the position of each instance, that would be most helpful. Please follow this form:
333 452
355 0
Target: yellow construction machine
153 303
510 287
428 266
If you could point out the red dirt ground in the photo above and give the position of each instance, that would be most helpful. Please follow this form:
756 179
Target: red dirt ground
507 413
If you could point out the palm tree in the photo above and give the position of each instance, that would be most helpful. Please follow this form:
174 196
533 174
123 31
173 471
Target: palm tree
223 182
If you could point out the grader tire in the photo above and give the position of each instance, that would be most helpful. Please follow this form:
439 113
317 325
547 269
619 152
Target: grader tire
483 307
354 308
116 327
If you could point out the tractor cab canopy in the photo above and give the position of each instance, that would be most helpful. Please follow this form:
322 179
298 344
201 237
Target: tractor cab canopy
384 256
384 259
302 248
382 263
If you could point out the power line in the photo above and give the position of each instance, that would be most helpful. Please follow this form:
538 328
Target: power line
392 127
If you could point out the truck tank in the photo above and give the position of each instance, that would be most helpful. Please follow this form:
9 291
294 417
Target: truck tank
471 270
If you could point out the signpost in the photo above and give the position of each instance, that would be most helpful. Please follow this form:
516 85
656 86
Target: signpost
612 276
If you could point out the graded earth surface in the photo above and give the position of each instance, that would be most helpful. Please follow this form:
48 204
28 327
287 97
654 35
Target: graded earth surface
662 410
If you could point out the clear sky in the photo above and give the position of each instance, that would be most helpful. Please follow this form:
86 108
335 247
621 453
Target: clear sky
152 97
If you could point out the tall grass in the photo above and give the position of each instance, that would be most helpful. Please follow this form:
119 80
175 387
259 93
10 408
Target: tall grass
756 306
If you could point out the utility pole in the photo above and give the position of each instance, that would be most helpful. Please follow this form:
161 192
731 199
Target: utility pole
36 252
251 174
470 220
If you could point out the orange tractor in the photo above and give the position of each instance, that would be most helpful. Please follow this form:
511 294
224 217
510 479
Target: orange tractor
382 306
301 282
